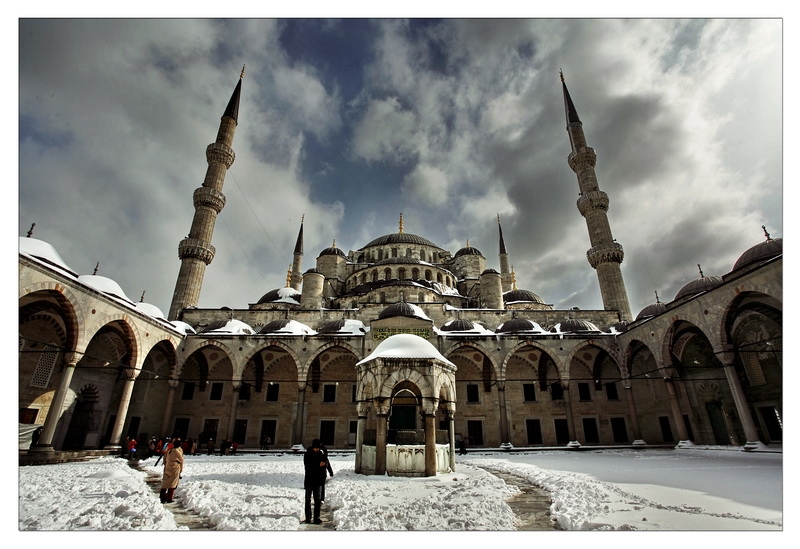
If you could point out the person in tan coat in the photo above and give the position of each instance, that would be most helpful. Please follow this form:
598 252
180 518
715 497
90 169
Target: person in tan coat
173 467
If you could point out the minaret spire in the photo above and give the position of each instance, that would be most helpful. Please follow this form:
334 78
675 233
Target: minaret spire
401 222
195 251
297 261
605 255
505 271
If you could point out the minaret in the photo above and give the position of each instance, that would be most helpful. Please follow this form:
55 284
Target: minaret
505 272
195 251
606 254
297 261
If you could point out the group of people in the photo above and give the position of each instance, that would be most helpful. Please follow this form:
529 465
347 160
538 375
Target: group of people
317 466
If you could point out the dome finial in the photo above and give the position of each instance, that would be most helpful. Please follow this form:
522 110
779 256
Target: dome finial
468 243
762 226
701 270
401 222
96 267
289 277
334 243
657 301
30 231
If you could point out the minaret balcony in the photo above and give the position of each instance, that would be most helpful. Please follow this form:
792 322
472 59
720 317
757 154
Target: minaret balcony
592 200
193 248
581 158
220 153
610 252
206 197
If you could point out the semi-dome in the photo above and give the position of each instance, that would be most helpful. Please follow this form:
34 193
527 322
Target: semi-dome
699 285
228 327
518 325
760 252
402 308
576 325
281 295
43 251
401 238
468 250
516 296
104 285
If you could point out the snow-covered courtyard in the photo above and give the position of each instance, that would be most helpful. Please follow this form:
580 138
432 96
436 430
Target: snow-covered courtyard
695 489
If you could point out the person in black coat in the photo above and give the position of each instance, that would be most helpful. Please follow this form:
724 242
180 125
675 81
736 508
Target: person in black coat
325 470
314 463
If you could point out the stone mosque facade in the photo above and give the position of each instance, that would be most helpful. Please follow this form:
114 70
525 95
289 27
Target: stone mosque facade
402 342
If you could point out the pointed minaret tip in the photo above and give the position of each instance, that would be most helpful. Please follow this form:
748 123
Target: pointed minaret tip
242 73
561 74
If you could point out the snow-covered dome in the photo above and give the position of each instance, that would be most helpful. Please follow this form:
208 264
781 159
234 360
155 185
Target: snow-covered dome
228 327
519 325
286 326
760 252
463 328
405 346
43 251
343 326
403 309
652 310
620 327
281 295
150 310
104 285
183 327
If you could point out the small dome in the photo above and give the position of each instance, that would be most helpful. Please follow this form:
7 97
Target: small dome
343 326
651 310
518 325
515 296
183 327
312 270
468 250
43 251
286 326
403 309
281 295
698 286
489 271
760 252
150 310
621 326
333 250
458 325
104 285
228 327
574 325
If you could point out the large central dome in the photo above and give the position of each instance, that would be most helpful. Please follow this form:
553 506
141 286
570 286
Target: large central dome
401 238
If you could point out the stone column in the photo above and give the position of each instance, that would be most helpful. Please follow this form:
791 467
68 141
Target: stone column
570 419
297 437
727 358
677 416
173 387
430 445
362 425
57 405
234 409
452 423
380 443
637 431
122 410
501 392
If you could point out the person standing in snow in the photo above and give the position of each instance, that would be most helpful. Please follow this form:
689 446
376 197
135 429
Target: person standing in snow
173 468
325 470
314 463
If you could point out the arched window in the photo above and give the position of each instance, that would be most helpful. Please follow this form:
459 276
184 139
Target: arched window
401 273
408 252
394 252
363 278
383 297
387 274
414 274
422 255
428 274
375 275
439 278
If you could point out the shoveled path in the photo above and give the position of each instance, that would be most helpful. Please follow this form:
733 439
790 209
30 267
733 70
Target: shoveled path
183 516
531 506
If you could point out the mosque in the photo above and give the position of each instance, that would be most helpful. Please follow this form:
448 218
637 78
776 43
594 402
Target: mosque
401 342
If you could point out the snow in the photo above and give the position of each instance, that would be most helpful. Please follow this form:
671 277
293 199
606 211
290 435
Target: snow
699 489
293 327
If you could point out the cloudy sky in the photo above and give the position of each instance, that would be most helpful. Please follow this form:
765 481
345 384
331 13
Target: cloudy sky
350 122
